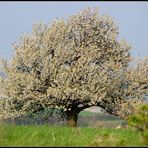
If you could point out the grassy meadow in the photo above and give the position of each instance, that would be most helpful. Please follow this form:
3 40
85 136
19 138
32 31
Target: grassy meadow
45 135
98 130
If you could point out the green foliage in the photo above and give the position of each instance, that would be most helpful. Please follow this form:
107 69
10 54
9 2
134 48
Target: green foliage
87 113
65 136
139 121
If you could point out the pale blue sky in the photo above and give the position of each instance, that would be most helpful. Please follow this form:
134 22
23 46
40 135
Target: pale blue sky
17 17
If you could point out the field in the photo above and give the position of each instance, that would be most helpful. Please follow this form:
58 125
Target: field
45 135
93 130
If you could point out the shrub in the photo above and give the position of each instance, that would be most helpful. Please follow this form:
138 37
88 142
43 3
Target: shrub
139 121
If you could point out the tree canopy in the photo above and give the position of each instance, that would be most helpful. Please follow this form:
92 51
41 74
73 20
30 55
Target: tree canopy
73 64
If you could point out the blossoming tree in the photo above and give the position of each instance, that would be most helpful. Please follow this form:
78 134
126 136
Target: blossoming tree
71 65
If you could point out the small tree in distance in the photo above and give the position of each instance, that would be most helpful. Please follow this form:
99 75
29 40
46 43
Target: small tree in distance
72 65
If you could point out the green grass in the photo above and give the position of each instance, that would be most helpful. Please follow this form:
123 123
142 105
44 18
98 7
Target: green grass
44 135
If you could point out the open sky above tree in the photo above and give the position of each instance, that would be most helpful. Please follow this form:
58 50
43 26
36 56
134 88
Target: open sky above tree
17 17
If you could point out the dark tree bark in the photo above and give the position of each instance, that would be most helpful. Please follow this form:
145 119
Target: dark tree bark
72 117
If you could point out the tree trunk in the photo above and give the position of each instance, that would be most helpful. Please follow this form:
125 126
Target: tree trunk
72 118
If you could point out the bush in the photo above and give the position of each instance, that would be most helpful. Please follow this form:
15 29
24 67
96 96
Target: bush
139 121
